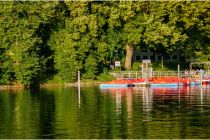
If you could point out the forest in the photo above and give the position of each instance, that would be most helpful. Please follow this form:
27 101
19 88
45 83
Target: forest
41 41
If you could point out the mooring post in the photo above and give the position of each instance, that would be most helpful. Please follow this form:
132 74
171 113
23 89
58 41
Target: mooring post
142 70
146 73
178 67
129 74
201 78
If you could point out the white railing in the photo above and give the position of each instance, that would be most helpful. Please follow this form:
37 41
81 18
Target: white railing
138 74
126 74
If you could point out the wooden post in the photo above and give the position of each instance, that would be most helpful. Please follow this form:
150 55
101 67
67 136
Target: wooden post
190 67
146 73
142 70
129 74
190 73
78 79
201 78
178 67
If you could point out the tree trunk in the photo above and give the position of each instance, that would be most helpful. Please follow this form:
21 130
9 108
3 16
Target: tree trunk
129 55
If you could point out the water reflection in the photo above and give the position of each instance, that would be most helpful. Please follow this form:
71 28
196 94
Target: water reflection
147 103
172 111
114 113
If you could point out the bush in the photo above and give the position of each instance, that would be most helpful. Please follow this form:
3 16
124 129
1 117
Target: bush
136 66
90 68
56 79
105 76
158 67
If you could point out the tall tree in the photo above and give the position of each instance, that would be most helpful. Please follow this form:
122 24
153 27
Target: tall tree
20 41
192 19
84 36
143 23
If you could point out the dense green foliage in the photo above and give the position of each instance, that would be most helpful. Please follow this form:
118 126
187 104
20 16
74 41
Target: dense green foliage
41 40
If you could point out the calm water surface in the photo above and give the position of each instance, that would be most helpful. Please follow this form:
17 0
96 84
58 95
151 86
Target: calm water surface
106 114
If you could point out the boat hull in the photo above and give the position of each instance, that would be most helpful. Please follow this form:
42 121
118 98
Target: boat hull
166 84
104 86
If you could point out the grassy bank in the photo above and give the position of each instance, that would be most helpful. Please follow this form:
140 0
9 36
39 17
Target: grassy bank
83 83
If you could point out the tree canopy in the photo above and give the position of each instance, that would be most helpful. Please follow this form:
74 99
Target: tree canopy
41 40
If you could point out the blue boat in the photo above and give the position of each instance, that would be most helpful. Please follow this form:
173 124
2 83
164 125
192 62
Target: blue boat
166 84
195 83
105 86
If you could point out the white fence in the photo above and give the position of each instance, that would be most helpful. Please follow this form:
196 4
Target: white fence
138 74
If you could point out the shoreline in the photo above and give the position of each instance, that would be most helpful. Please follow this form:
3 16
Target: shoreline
51 85
9 87
82 84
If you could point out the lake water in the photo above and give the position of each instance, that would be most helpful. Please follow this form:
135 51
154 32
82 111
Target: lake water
106 114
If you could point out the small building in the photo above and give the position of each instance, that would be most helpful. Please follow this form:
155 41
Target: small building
141 54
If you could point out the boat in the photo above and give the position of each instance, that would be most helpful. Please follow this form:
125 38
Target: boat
165 84
114 85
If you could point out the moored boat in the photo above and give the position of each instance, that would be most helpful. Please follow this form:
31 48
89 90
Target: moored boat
114 85
165 84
